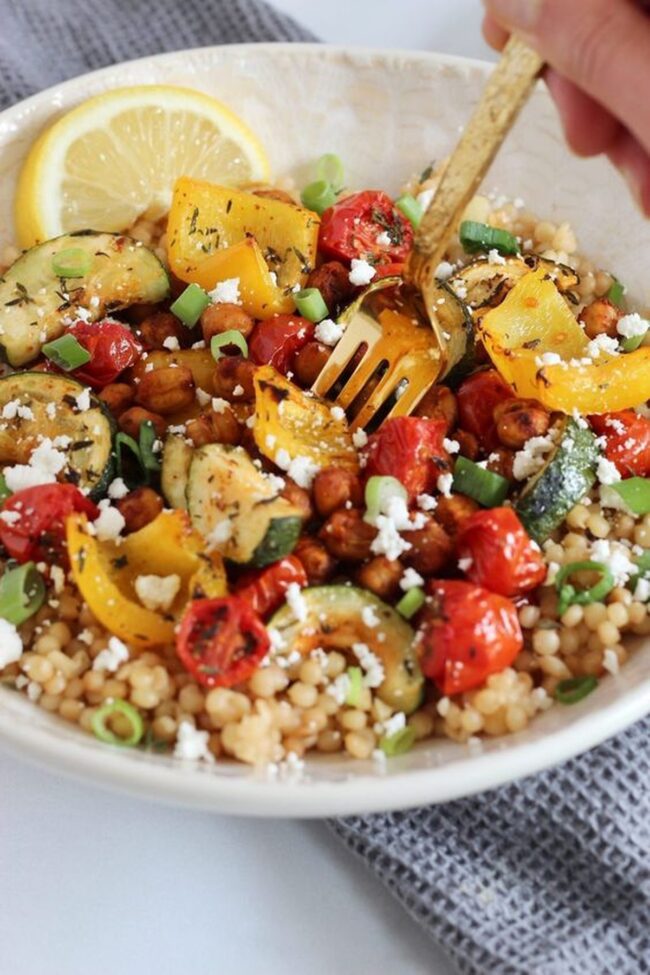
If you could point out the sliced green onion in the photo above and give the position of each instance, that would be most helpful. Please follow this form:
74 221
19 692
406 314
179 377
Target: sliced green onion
632 342
353 697
486 487
4 490
476 237
72 262
411 602
224 339
379 491
616 293
124 441
146 439
398 743
99 723
66 353
311 305
569 595
635 491
190 305
574 689
411 209
318 196
22 593
330 169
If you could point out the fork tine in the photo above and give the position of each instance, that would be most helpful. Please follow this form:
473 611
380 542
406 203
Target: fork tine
356 334
421 375
371 361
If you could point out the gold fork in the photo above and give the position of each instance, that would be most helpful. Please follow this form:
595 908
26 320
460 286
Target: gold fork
398 329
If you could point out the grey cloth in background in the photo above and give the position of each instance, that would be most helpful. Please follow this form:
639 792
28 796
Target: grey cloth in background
548 876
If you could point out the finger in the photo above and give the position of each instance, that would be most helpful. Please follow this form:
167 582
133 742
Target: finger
634 163
589 128
494 34
599 45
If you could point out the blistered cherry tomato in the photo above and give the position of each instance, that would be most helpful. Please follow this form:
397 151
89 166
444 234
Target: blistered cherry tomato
221 641
502 556
367 226
265 589
112 349
410 449
628 441
33 522
276 340
477 397
389 271
467 634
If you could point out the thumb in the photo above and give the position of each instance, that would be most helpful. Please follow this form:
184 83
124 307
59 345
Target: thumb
603 46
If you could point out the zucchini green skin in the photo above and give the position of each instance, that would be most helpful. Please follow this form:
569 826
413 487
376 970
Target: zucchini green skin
225 486
335 620
36 305
456 320
91 465
176 460
568 474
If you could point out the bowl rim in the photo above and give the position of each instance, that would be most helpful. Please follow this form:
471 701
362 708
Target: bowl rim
354 792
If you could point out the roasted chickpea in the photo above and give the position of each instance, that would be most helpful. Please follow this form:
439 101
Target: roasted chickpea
517 420
333 281
225 426
225 317
601 318
347 536
298 497
501 461
453 512
117 397
381 576
200 431
274 193
431 547
131 419
439 401
468 444
309 361
316 560
137 313
333 488
159 326
233 379
166 390
139 507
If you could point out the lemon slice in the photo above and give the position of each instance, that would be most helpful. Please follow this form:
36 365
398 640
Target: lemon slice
115 158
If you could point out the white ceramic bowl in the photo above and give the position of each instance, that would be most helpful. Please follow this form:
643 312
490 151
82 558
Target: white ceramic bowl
387 114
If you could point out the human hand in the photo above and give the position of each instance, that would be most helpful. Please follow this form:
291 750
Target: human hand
598 52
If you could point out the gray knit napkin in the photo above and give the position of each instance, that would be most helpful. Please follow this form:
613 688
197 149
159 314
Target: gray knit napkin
549 876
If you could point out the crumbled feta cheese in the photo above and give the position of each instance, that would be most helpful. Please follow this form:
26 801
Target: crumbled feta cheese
444 271
607 472
270 440
531 457
425 197
171 343
410 580
157 592
494 257
301 469
642 590
616 557
192 744
451 446
361 272
11 646
112 657
370 664
14 408
339 688
10 517
276 482
442 707
83 400
50 409
202 397
602 343
359 438
394 724
548 359
551 573
219 405
338 413
444 484
238 390
631 326
328 332
426 502
57 576
117 489
610 661
110 522
44 464
296 602
226 292
383 239
465 564
369 617
220 534
394 518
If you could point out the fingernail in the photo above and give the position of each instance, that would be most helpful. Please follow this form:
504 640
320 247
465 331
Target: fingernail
521 14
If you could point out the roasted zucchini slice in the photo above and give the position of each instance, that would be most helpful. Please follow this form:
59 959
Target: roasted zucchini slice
38 405
37 302
176 460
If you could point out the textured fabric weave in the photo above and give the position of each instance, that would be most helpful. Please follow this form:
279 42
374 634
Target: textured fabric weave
544 877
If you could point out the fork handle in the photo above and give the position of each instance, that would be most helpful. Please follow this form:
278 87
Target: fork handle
503 98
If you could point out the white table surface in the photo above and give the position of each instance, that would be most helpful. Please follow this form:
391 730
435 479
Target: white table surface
102 883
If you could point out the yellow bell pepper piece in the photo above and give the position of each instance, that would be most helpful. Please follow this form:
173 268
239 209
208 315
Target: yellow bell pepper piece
105 574
300 424
205 219
535 319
